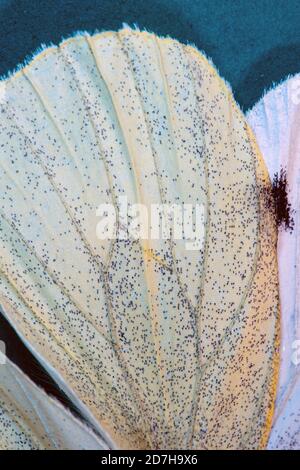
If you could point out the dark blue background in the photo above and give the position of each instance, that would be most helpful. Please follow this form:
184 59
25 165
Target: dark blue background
253 43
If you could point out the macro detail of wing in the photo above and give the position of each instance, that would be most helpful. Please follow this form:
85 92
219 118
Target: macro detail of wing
165 347
31 420
275 122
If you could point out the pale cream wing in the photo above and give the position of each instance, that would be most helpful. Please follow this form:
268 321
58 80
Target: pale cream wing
159 344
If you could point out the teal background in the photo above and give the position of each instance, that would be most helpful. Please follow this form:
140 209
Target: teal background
253 43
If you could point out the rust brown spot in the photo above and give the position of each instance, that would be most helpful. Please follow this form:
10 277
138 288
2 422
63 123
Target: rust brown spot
277 200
